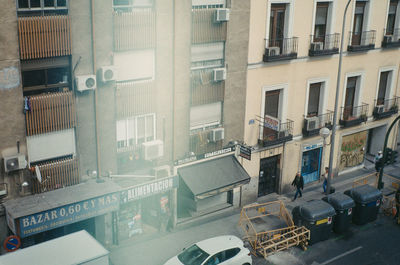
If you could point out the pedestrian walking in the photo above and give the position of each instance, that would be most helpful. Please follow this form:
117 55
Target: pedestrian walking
378 160
325 176
298 182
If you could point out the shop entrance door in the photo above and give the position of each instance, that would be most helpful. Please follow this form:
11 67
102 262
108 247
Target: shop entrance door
269 175
311 165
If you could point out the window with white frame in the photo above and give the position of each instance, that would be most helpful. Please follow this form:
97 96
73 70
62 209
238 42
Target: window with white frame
352 95
360 22
204 117
208 4
392 24
43 6
279 22
316 97
135 130
384 92
322 21
129 5
135 65
209 55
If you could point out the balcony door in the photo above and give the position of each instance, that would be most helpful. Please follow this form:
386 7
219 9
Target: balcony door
272 110
349 97
391 17
383 81
313 99
358 23
277 25
321 19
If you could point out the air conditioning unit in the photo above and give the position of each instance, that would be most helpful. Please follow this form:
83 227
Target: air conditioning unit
312 123
85 82
380 109
216 135
12 163
162 171
222 15
388 38
108 73
273 51
153 150
219 74
317 46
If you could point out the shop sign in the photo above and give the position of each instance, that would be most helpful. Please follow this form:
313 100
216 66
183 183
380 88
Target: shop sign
149 189
203 156
67 214
308 147
271 122
245 151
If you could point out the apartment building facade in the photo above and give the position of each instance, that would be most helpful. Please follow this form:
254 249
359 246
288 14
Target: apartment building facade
291 86
110 110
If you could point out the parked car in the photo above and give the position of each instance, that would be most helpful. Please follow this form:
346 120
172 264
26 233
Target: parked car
224 250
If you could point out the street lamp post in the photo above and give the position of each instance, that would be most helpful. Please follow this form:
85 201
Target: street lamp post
328 186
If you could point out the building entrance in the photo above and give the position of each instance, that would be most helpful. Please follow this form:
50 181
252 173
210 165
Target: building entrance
269 175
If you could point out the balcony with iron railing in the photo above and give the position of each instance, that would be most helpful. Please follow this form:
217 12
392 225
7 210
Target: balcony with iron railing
312 125
391 38
385 108
56 174
50 112
44 36
134 30
353 115
205 28
361 41
135 98
281 49
326 45
273 131
204 88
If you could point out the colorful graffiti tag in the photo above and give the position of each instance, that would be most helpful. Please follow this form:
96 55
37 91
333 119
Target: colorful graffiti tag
353 150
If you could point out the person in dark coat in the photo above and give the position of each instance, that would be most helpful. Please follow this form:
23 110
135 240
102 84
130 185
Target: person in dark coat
298 182
378 161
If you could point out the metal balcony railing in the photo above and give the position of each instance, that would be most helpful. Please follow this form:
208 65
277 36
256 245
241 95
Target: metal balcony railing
385 107
49 112
326 45
134 30
391 38
281 49
353 115
313 124
56 174
273 131
204 27
361 41
44 36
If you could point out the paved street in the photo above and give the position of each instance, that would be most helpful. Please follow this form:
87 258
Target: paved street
373 243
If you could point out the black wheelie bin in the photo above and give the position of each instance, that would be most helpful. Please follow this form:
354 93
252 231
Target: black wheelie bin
343 205
368 200
317 216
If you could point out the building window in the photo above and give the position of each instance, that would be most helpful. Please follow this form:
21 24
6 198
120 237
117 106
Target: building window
45 80
383 87
135 65
129 5
391 21
277 24
314 100
358 24
210 55
135 131
42 6
321 19
350 97
272 103
205 117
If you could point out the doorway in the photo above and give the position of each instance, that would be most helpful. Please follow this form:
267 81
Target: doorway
269 175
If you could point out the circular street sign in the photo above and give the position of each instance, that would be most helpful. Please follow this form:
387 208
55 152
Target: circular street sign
12 243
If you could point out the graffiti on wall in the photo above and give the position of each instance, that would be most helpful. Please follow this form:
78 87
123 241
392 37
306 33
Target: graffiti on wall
9 78
353 150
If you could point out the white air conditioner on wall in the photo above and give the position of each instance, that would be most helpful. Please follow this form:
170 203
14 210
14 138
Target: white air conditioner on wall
274 51
162 171
219 74
85 82
107 73
222 15
12 163
312 123
380 109
153 150
216 135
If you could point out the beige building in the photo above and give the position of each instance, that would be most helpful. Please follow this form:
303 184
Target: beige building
291 86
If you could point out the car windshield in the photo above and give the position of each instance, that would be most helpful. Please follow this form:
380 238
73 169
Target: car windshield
193 256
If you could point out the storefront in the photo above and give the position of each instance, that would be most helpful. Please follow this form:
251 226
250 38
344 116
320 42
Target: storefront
311 162
210 185
88 206
147 207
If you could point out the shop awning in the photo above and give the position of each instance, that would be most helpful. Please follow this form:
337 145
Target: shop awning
214 176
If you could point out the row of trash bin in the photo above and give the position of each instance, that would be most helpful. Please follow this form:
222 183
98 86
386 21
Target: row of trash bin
359 205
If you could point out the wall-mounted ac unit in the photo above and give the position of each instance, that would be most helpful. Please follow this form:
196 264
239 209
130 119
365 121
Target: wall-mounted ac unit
12 163
219 74
388 38
317 46
216 135
380 109
85 82
107 73
153 150
312 123
273 51
222 14
162 171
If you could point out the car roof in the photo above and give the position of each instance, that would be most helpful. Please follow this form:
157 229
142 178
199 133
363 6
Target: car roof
219 243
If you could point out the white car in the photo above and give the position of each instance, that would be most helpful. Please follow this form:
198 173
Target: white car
222 250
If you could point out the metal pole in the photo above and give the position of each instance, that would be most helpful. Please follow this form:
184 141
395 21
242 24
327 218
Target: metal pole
328 186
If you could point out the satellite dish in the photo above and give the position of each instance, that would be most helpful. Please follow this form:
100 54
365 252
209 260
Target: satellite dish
38 175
